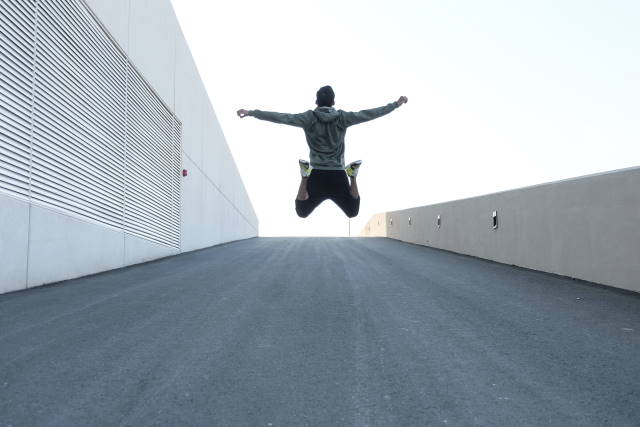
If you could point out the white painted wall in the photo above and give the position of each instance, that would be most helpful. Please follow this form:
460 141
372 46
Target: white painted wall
39 245
63 246
14 234
587 227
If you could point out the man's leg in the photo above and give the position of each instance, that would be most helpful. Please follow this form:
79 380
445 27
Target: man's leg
348 199
354 188
305 207
344 195
309 194
303 194
352 172
305 204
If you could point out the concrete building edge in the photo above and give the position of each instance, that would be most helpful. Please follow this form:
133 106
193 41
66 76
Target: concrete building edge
578 278
125 235
586 282
620 186
14 247
177 33
246 214
97 273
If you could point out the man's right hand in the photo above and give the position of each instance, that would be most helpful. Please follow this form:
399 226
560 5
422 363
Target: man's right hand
402 100
243 113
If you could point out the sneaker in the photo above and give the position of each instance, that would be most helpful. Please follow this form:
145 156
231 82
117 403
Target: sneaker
352 168
305 168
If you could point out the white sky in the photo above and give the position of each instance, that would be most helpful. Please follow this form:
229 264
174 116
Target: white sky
502 94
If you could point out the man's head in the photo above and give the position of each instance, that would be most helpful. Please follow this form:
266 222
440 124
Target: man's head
325 97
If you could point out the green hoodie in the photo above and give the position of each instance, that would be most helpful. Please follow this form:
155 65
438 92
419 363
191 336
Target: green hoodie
325 128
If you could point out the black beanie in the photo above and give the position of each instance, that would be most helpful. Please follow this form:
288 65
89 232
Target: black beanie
325 97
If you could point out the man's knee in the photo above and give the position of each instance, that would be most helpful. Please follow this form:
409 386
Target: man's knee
301 213
301 209
354 209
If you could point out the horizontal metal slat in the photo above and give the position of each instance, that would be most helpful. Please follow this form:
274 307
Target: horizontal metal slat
26 8
49 185
84 22
140 220
134 220
75 120
147 130
58 186
146 101
94 67
90 103
14 155
18 167
150 228
18 109
21 91
60 159
48 140
143 187
82 44
147 229
148 151
56 67
99 46
51 107
143 204
143 125
16 130
21 55
140 213
45 197
158 150
109 120
70 75
67 206
152 238
10 185
17 43
17 24
80 143
142 86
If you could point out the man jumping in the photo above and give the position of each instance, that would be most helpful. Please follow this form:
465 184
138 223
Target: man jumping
325 177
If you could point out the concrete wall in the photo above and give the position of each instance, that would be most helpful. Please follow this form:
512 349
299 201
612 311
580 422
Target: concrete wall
587 227
39 245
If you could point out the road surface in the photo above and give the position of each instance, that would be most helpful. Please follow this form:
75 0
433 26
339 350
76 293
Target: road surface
320 331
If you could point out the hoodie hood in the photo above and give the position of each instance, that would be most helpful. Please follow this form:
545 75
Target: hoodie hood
326 114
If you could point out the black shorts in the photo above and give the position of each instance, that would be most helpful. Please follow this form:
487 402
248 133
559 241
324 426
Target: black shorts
332 185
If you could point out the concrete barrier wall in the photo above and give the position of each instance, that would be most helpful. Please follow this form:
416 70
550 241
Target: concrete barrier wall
587 228
40 245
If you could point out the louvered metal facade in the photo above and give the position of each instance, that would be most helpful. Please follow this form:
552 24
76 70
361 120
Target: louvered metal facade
80 128
17 55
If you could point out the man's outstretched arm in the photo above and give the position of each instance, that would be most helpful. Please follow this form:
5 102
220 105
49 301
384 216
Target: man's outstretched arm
353 118
299 120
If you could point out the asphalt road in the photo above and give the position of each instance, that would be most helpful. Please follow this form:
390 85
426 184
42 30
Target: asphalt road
320 331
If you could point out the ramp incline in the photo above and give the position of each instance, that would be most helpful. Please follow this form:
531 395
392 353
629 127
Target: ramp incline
320 331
